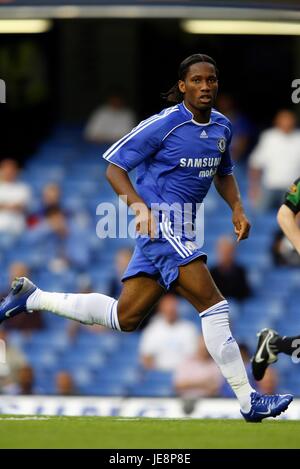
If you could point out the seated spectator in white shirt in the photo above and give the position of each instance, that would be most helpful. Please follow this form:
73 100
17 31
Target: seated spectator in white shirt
275 161
110 122
15 198
167 340
198 376
12 360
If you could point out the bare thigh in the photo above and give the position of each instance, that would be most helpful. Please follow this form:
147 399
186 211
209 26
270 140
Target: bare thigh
137 298
197 286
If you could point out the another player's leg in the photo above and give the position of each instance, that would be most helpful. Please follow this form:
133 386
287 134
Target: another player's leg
138 296
269 345
197 286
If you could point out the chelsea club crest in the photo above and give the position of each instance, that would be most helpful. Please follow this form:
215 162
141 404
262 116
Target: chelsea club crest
222 144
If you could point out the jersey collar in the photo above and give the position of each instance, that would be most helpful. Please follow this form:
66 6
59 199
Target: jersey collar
190 115
185 110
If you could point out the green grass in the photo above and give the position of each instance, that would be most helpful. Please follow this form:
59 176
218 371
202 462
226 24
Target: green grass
106 432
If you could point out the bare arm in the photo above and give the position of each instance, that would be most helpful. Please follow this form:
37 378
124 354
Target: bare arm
119 180
229 191
17 207
287 221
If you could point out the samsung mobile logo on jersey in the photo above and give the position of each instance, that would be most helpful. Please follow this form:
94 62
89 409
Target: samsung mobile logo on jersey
209 173
200 162
211 163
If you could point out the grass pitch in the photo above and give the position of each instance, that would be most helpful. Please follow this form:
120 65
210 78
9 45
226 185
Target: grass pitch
121 433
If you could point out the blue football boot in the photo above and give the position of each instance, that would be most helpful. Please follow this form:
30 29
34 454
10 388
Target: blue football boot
15 302
263 406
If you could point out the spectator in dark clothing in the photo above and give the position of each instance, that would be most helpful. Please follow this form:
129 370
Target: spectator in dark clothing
243 130
58 242
229 276
51 199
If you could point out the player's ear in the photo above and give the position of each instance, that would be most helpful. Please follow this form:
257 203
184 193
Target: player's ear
181 86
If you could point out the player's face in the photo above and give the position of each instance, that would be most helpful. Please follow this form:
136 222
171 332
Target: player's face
200 86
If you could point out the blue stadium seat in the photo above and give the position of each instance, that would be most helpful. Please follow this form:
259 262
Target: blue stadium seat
92 359
55 340
108 389
262 307
151 390
39 356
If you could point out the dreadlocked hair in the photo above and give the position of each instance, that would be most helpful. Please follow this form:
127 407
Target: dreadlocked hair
174 94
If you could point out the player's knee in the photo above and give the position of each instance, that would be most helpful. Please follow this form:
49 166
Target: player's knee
212 299
128 321
128 325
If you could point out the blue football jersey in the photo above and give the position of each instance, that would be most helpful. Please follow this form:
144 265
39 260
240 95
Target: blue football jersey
175 157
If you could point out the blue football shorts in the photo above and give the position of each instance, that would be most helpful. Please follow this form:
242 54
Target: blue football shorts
162 257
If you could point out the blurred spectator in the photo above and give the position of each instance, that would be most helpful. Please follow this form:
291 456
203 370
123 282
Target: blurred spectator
110 122
122 259
15 361
198 376
275 161
23 322
167 340
269 383
51 199
64 384
283 252
15 197
60 243
242 128
25 383
51 196
229 276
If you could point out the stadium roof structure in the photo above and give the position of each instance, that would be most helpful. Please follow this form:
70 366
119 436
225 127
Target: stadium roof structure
218 9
